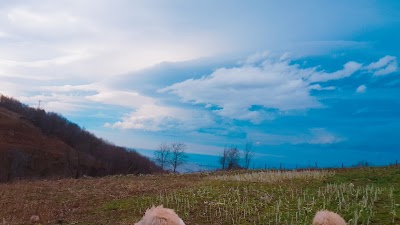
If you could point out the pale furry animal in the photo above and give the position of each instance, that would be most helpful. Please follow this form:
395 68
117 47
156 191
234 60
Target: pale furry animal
164 216
160 216
328 218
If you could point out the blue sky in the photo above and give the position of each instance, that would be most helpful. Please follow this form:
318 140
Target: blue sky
304 80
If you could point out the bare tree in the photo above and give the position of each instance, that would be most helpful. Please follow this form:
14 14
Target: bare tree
223 159
248 154
233 158
162 155
230 158
178 155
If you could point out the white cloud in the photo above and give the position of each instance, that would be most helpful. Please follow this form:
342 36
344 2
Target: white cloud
101 93
4 34
361 89
260 57
318 87
61 60
249 91
147 114
385 65
71 88
59 52
315 136
162 118
67 99
322 136
391 68
381 63
9 88
26 18
64 104
75 40
348 69
109 38
52 98
129 99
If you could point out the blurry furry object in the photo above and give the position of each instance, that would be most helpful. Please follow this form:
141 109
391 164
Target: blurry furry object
164 216
328 218
160 216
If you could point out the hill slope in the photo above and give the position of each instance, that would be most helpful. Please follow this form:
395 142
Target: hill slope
34 143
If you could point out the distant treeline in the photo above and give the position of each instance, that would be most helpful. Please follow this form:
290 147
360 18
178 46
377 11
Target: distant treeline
90 155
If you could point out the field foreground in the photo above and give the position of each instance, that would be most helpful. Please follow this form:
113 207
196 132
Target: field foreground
361 196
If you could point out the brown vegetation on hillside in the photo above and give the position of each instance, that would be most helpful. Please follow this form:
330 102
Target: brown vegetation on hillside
35 143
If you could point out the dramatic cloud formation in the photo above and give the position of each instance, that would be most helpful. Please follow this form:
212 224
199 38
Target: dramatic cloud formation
262 84
137 72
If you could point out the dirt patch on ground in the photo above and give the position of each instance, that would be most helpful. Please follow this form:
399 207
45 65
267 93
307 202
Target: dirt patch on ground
71 201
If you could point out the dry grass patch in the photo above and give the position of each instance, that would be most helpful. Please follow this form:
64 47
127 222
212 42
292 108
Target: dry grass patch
258 203
361 196
276 176
73 201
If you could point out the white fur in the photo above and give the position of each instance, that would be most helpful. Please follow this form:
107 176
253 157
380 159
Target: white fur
160 216
164 216
328 218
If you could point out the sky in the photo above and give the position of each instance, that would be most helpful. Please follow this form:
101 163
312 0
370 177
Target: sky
305 81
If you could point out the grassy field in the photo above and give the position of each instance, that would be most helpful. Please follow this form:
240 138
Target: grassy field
361 196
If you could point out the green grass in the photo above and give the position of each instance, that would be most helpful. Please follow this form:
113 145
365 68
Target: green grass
361 196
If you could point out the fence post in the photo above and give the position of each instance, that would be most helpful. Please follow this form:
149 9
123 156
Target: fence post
396 163
316 165
280 166
342 166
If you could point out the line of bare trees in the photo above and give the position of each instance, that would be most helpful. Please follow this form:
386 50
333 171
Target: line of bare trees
232 158
170 154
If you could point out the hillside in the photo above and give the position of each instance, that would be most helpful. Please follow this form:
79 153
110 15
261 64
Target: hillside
38 144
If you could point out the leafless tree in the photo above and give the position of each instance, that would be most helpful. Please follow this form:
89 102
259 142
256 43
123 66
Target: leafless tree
248 154
178 155
162 155
233 158
230 158
223 159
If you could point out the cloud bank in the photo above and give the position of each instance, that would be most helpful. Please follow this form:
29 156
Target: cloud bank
259 89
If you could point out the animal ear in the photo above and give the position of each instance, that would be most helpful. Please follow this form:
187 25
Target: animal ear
150 209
